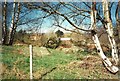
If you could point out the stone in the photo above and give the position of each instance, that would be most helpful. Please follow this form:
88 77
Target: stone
41 51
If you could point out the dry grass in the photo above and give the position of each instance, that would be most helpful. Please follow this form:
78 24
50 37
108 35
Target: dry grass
79 65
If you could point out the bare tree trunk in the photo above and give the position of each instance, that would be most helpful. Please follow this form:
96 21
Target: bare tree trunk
4 28
118 13
15 17
12 25
118 22
105 60
109 29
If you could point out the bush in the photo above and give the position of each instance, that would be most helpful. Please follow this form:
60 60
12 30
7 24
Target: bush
52 42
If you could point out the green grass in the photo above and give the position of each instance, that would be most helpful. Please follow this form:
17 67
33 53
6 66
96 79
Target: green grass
53 59
60 74
11 57
18 56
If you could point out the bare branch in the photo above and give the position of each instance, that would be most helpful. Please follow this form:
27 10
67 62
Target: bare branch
30 6
75 7
87 5
68 29
32 20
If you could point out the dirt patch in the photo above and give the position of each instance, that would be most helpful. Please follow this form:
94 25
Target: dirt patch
81 64
91 67
89 62
92 59
2 68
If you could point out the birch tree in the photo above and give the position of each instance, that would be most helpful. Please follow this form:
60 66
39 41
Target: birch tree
118 20
4 28
118 14
111 67
95 16
15 17
14 21
9 32
109 29
72 17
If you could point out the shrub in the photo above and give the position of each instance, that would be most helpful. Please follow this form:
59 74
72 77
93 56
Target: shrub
52 42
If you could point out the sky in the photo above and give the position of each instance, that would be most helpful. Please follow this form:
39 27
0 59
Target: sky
47 22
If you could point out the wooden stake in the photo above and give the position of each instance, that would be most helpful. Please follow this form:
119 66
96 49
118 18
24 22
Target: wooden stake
30 46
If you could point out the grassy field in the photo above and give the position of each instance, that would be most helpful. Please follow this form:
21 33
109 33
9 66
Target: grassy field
56 65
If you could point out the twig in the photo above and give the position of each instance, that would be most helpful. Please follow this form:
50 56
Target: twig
44 74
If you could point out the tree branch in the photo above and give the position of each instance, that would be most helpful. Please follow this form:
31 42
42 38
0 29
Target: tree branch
67 29
30 6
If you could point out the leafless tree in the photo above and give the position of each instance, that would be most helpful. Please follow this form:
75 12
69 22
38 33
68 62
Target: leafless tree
75 16
15 17
4 28
74 12
109 28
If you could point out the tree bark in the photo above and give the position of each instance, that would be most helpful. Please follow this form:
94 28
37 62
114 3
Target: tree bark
118 22
118 14
4 28
12 25
105 60
15 17
109 29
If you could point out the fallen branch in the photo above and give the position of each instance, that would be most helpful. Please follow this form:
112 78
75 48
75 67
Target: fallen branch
47 72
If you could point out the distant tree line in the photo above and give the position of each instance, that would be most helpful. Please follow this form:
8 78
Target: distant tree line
15 14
